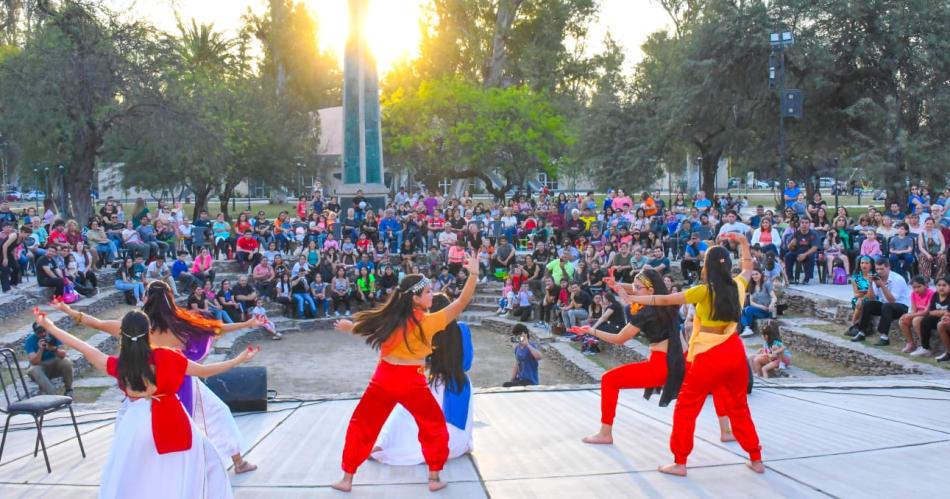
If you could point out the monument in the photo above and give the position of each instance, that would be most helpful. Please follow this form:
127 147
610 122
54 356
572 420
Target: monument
362 137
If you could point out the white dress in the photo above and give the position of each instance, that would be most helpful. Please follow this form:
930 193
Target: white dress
212 417
399 442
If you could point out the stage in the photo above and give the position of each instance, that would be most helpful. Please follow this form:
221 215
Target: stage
819 440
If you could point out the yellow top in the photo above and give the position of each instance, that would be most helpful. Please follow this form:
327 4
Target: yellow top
699 341
420 338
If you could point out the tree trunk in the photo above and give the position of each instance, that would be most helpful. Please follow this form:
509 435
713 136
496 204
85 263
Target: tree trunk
494 68
202 193
78 175
225 197
710 166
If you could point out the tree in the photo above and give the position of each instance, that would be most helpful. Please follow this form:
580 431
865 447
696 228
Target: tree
454 128
80 75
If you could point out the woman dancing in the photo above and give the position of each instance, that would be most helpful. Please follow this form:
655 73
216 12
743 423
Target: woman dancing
664 368
717 354
193 334
157 452
402 330
451 358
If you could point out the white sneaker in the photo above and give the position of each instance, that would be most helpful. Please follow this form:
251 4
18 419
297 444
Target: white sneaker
920 352
336 313
747 332
140 304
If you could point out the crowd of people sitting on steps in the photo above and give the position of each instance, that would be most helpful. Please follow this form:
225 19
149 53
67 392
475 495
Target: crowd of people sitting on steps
550 251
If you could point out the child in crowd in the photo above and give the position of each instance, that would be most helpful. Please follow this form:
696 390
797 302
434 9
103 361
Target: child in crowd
507 300
871 247
773 355
261 313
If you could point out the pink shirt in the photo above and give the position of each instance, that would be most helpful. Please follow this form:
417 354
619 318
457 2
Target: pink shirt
871 247
201 263
456 254
921 302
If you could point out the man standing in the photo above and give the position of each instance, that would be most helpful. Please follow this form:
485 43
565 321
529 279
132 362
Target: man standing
891 301
802 248
791 193
48 361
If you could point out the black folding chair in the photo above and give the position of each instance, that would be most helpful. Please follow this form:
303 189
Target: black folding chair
38 406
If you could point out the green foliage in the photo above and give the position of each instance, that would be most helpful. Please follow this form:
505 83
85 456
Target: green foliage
454 128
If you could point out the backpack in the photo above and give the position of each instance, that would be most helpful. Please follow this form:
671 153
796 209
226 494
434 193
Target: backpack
69 293
840 277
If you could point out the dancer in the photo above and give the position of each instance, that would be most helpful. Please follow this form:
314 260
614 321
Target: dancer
193 334
664 368
157 452
451 358
402 330
717 354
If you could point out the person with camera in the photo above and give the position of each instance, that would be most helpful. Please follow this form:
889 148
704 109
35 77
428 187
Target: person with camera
527 355
48 361
890 300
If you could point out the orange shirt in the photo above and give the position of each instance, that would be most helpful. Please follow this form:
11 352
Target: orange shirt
416 345
649 207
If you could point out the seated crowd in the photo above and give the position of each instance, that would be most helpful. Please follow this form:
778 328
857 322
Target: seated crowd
551 252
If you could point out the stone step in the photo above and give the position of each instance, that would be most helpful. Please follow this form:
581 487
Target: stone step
30 294
574 361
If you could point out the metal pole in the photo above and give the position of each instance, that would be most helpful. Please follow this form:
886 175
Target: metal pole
248 194
36 187
837 188
781 123
46 177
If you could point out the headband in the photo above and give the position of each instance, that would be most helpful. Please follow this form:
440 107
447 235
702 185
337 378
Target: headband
419 286
645 281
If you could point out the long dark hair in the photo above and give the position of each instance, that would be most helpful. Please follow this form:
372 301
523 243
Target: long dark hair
134 367
379 324
668 315
445 363
165 315
723 292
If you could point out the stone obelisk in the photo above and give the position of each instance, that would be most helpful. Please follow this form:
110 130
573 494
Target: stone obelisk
362 137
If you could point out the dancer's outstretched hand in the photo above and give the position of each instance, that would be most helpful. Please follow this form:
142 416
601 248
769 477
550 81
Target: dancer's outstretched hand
248 353
40 317
58 304
255 321
344 325
579 330
471 265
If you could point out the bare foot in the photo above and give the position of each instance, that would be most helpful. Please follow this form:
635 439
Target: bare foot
673 469
343 485
244 467
727 437
598 439
756 466
436 485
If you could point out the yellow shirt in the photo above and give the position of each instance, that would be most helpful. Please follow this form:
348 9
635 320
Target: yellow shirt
699 341
419 340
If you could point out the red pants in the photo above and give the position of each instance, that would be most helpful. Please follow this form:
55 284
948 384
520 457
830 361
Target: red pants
392 384
723 372
649 374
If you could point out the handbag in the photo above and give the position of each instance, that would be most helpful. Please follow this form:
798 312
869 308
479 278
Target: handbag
69 293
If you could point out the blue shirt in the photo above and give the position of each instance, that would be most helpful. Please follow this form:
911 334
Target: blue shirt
32 345
702 204
527 364
178 267
700 248
791 193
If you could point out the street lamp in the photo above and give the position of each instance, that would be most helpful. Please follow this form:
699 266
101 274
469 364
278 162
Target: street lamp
779 41
46 178
64 200
36 187
836 187
249 194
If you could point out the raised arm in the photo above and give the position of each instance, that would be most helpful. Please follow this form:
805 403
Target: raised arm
626 334
91 353
454 309
111 327
248 324
206 370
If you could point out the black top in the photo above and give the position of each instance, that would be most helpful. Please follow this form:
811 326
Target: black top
651 325
195 300
245 290
583 299
617 318
936 304
387 281
45 261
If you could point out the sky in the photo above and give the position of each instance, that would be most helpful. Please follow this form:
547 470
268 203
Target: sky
392 25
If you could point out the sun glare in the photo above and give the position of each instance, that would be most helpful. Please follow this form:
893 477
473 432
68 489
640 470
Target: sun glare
392 28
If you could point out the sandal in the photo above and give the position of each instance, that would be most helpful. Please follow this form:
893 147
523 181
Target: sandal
244 467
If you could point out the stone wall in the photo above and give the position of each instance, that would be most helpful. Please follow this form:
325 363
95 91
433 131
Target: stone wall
843 353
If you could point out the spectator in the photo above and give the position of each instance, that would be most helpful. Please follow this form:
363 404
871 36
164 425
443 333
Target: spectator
158 271
366 291
148 236
734 225
226 301
920 298
126 280
319 291
49 273
790 195
835 256
773 355
802 248
523 304
245 295
938 318
760 303
202 268
100 241
132 240
341 292
658 262
891 300
221 231
181 273
766 236
693 256
871 247
79 271
901 251
932 251
577 309
265 278
248 251
527 357
48 361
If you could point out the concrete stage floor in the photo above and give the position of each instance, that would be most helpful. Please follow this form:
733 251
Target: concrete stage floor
890 438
